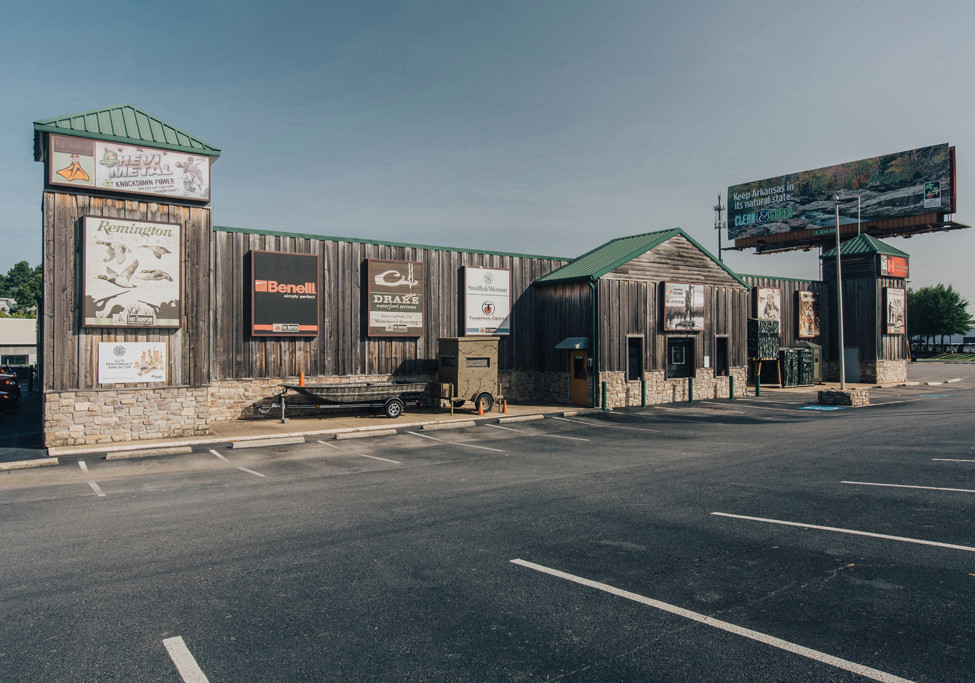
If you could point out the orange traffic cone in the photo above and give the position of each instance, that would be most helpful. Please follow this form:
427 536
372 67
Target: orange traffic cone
301 380
504 406
480 408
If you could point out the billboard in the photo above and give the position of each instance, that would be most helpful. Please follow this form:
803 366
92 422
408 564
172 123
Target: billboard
284 294
911 183
395 298
132 273
683 307
487 301
100 165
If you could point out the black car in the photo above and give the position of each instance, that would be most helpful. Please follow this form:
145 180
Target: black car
9 387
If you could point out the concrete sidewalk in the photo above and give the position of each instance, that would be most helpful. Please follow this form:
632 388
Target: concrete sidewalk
242 433
335 424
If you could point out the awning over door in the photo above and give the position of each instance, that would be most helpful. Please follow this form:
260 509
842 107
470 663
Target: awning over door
573 343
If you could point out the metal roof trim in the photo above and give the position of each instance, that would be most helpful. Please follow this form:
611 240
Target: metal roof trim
124 124
358 240
604 259
865 245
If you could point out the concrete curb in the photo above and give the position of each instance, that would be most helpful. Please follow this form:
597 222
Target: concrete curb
147 453
28 464
363 434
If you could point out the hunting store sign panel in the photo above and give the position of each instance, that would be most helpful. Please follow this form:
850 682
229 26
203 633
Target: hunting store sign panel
284 294
80 162
487 301
395 298
132 273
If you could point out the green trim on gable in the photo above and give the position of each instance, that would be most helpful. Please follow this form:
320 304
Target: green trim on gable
124 124
604 259
864 245
356 240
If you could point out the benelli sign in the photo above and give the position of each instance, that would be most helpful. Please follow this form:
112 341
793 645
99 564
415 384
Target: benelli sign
272 286
284 294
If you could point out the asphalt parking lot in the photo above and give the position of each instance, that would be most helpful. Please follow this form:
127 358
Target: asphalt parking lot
724 540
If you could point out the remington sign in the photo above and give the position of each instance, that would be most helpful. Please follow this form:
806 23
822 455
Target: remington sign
133 273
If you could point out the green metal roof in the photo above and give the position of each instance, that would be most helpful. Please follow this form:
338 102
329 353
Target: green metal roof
610 256
125 124
864 245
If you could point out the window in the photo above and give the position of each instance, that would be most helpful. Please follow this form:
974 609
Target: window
680 358
634 358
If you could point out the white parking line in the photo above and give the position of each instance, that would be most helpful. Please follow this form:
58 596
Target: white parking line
188 669
242 469
362 455
854 532
951 460
609 426
763 638
94 487
907 486
551 436
451 443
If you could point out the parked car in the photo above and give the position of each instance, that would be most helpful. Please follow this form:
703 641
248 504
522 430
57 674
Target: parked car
9 387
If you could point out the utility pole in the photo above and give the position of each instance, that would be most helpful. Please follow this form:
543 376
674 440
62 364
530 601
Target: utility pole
719 224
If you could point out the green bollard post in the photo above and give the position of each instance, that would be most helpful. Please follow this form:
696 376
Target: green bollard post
731 384
643 393
690 390
604 396
758 385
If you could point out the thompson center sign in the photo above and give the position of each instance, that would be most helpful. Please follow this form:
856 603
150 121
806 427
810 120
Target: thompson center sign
284 294
911 183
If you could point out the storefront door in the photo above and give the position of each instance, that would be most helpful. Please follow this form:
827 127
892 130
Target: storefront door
578 386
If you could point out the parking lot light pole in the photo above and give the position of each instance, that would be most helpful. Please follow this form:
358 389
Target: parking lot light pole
839 298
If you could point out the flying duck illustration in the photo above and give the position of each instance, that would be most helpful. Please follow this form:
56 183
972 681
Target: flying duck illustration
114 252
156 249
154 275
126 275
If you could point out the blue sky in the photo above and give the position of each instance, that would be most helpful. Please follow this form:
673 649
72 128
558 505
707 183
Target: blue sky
540 127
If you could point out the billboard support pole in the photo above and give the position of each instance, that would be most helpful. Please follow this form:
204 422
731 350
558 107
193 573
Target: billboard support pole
719 224
839 298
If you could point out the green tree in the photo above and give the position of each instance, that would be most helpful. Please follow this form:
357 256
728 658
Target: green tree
23 284
937 311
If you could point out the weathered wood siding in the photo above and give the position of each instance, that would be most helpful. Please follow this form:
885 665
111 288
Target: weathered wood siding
342 347
70 351
630 304
789 312
563 310
864 320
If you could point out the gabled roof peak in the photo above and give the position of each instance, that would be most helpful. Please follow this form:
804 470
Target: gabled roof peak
125 124
594 264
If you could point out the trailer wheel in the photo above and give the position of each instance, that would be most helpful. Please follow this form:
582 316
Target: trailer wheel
484 401
459 403
393 407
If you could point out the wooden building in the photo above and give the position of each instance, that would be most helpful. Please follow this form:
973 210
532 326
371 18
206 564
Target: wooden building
157 324
640 316
874 279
